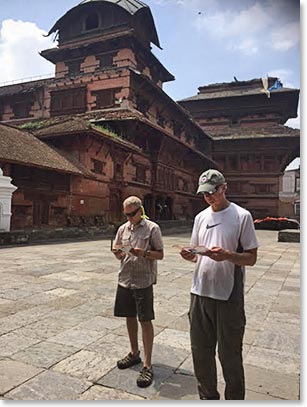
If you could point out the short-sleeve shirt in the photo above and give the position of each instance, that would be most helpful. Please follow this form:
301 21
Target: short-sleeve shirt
230 228
139 272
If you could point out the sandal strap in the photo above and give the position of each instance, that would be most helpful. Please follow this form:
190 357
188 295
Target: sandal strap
129 360
146 374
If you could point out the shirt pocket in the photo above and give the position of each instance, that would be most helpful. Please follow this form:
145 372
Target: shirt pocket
126 238
143 242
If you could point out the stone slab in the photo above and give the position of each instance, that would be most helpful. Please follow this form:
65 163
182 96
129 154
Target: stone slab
50 386
273 360
98 392
178 387
100 323
77 337
13 373
125 380
11 343
168 356
174 338
44 354
273 383
86 364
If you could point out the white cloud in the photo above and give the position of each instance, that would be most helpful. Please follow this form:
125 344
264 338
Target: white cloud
250 29
286 37
248 46
235 23
20 44
189 4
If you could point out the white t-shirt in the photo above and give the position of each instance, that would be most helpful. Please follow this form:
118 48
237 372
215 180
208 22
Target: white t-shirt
224 229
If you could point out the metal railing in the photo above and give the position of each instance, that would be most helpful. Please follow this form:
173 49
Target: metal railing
28 79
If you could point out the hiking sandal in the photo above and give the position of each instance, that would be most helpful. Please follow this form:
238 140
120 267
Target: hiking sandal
145 377
129 360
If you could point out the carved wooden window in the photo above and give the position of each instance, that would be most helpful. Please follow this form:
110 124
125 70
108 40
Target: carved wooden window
177 128
142 105
244 162
263 188
232 162
105 98
68 101
41 210
233 187
256 161
140 173
73 68
21 106
160 118
118 171
270 162
98 166
21 110
106 60
91 21
39 179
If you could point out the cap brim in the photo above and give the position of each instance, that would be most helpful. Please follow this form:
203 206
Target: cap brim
206 188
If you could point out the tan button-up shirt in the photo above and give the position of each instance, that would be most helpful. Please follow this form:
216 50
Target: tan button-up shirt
138 272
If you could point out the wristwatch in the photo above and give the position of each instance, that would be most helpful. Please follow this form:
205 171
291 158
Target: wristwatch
146 253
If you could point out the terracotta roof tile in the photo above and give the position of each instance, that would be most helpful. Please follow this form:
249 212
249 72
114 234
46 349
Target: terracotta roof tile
22 147
75 125
24 87
251 132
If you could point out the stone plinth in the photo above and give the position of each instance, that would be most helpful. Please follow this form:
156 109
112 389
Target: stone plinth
6 191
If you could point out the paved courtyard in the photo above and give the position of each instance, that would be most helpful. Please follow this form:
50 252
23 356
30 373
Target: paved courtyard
60 341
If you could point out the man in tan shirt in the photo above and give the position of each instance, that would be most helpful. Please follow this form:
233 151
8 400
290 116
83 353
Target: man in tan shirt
138 245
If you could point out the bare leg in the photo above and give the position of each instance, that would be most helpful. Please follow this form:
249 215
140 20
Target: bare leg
148 337
132 327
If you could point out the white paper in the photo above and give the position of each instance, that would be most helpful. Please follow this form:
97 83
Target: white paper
125 249
193 249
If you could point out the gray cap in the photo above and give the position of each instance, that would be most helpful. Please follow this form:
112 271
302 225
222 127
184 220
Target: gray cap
209 181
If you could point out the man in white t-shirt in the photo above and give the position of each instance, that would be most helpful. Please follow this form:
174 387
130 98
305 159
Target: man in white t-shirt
226 236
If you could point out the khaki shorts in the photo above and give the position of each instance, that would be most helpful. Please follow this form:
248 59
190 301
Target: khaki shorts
134 302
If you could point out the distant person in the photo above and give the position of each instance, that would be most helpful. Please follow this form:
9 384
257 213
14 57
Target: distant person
138 245
223 241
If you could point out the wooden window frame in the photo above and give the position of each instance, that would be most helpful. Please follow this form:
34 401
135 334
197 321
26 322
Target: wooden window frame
98 166
60 101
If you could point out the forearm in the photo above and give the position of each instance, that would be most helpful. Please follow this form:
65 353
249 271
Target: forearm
241 259
154 254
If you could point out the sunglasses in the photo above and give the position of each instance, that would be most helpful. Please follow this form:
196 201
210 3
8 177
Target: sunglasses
211 192
131 214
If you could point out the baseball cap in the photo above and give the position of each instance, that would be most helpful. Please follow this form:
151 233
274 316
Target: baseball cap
209 181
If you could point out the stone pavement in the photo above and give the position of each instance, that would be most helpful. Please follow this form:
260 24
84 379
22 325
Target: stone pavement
59 340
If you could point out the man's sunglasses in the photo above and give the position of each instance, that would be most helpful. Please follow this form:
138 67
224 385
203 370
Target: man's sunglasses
131 214
212 192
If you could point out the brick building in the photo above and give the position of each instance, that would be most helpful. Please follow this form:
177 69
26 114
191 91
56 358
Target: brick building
251 144
106 113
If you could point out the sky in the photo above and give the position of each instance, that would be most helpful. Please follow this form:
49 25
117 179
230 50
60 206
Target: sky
203 41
